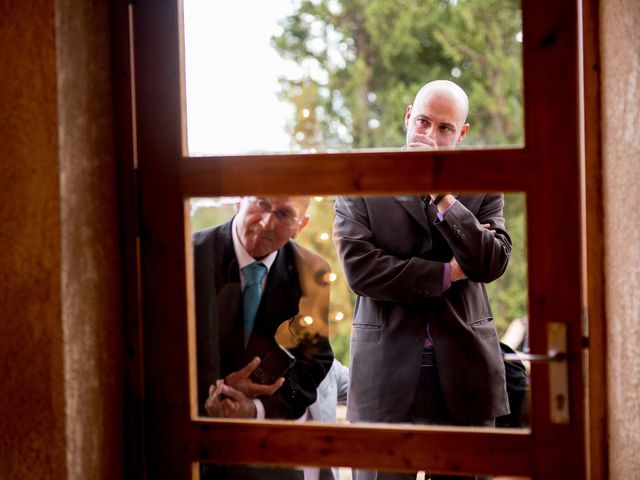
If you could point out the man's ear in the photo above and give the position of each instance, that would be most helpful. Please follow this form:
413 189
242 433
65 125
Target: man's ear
407 116
303 223
463 132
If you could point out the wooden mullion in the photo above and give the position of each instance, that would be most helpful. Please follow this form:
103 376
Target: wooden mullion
354 173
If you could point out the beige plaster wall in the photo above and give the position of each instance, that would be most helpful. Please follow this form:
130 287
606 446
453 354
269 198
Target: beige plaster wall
620 54
60 348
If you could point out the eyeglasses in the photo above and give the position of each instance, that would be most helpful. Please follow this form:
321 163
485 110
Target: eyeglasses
286 218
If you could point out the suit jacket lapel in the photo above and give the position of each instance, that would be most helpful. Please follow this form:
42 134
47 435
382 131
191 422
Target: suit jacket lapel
282 292
413 205
226 263
228 290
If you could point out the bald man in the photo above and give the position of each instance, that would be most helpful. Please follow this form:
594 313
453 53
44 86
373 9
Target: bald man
424 347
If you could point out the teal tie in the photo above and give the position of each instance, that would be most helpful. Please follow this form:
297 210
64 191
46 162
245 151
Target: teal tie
253 275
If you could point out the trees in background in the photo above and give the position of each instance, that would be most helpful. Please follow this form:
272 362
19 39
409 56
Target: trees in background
362 61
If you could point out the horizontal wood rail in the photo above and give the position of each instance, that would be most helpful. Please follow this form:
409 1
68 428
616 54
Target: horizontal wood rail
373 172
395 448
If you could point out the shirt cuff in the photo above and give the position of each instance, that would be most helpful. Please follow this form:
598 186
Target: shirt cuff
446 210
446 277
260 415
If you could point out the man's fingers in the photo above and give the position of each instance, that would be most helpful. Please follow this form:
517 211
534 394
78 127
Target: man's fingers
487 226
231 393
423 146
244 372
257 389
214 389
229 404
249 367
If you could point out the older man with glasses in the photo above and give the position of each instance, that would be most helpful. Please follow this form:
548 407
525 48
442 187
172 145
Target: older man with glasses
253 284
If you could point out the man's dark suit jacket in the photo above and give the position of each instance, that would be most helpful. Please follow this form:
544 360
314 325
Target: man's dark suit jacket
219 324
393 255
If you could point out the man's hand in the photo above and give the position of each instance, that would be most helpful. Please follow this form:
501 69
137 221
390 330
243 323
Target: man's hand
426 143
227 402
445 201
456 271
487 226
240 381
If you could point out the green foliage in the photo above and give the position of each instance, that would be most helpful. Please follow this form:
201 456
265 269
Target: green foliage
209 212
364 61
508 294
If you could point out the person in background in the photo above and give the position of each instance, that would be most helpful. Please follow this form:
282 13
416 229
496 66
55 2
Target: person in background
515 340
331 393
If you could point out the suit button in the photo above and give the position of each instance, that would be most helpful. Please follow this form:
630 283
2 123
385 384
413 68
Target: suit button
420 340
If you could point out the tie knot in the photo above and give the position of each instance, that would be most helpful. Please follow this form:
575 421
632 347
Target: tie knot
254 273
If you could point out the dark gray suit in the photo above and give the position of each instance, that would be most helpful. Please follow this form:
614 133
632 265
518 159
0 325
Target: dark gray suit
219 325
393 255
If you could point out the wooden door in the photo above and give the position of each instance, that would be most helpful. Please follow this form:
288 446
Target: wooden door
547 170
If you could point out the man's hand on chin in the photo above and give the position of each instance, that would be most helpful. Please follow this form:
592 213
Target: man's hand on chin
420 146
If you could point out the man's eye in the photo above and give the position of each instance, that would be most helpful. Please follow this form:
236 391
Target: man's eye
282 214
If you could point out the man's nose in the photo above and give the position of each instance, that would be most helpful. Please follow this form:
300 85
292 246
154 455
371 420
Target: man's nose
268 220
430 132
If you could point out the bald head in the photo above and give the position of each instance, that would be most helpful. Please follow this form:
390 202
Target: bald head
449 91
437 118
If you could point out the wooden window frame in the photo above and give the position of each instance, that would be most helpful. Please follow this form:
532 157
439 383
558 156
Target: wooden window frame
158 178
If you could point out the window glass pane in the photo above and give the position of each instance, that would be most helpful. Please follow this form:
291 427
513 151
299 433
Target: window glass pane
395 310
325 75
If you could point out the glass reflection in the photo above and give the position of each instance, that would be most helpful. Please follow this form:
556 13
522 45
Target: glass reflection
305 315
328 75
